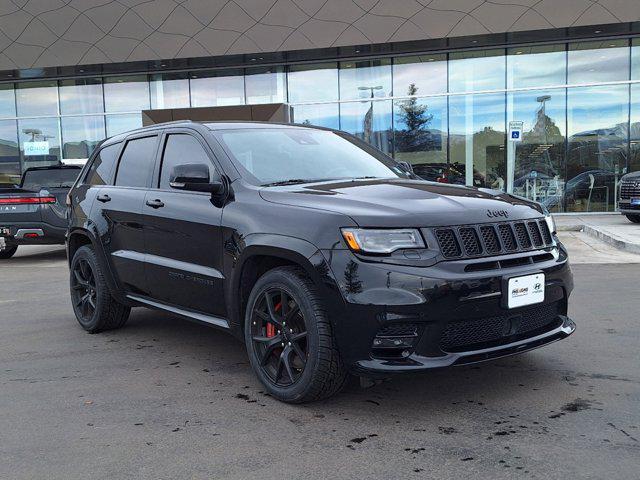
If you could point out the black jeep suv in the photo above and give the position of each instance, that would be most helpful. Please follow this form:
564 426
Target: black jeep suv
325 256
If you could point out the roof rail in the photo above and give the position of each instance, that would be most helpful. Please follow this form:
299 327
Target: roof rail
169 123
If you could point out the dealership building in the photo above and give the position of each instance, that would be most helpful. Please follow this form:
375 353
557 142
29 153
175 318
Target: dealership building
537 97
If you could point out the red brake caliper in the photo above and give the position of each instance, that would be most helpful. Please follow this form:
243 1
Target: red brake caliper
271 328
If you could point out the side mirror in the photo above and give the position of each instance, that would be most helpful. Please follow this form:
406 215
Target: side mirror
194 177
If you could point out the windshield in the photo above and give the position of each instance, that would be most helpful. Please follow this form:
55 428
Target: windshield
299 155
51 178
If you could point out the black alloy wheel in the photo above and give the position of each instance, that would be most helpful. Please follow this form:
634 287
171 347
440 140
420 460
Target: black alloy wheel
279 336
83 290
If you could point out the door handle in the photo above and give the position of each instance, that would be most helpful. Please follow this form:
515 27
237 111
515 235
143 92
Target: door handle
103 198
155 203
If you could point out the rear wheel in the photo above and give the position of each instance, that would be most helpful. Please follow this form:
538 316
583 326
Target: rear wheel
96 310
289 338
8 252
634 218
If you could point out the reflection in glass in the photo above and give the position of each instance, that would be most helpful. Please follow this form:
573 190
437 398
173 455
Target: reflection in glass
477 140
80 135
122 123
217 88
313 83
365 79
635 59
265 85
634 132
420 126
83 95
169 90
597 146
370 121
539 157
9 153
7 101
319 115
41 139
126 94
538 66
476 70
37 98
427 74
602 61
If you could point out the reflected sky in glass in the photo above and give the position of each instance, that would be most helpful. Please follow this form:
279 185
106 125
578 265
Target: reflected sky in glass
265 85
7 101
169 91
370 121
81 96
320 115
80 135
313 83
217 88
40 129
475 113
37 98
527 107
427 72
635 59
126 94
597 108
603 61
536 66
476 70
361 79
122 123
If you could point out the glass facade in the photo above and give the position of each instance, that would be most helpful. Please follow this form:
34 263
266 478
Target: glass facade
447 114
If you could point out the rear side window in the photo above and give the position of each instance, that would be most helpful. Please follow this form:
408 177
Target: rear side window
180 149
101 170
136 162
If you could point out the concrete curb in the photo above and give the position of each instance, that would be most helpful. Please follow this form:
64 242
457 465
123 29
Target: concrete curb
611 239
602 234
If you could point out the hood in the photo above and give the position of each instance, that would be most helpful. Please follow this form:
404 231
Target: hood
631 176
405 203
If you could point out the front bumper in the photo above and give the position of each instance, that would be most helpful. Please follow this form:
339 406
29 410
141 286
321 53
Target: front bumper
458 316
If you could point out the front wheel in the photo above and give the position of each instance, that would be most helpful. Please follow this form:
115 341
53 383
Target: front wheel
96 310
8 252
634 218
290 340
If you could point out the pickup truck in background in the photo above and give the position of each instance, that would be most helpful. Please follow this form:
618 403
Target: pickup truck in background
34 212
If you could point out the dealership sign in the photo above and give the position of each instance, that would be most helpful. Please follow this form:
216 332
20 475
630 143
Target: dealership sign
515 131
36 148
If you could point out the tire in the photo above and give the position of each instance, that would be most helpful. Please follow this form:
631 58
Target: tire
95 309
8 252
634 218
323 373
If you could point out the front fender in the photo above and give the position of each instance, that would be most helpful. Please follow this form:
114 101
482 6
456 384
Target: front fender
290 249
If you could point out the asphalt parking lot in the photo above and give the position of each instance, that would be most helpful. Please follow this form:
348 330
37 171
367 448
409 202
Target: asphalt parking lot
164 398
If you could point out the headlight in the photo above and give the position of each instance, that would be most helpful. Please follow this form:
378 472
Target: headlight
550 223
381 241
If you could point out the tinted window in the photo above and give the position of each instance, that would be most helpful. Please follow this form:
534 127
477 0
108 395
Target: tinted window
102 167
136 162
58 177
181 149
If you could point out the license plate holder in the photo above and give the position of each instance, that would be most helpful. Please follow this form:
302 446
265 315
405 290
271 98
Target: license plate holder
5 231
635 201
523 290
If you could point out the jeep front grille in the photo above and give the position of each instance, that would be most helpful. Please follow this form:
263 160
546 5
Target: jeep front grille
629 189
474 241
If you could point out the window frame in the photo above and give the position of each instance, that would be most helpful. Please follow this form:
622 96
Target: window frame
154 160
162 145
92 159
